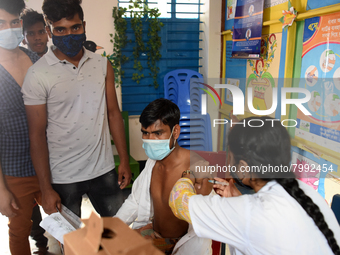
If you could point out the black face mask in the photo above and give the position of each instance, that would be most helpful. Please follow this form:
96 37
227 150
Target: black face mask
70 44
239 181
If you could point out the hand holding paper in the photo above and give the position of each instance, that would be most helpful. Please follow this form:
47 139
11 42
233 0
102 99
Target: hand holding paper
60 223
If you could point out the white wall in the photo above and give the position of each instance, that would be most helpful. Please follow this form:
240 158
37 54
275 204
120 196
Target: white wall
136 149
98 17
211 52
99 23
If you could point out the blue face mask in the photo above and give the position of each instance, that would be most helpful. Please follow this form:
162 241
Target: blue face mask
158 149
10 38
70 44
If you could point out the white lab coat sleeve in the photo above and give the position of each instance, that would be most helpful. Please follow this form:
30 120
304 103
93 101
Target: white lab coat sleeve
128 212
222 219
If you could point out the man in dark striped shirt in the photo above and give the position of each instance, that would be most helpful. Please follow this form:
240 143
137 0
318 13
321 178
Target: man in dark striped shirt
19 186
33 26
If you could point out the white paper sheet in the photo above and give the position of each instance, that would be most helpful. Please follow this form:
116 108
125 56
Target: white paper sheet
58 224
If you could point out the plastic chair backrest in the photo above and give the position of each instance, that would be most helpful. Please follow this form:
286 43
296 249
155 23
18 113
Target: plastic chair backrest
336 206
177 88
195 132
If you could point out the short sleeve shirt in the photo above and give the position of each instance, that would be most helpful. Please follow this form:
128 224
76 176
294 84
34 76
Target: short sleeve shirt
77 131
15 156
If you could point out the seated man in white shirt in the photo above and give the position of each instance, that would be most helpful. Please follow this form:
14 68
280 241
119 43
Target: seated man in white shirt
147 207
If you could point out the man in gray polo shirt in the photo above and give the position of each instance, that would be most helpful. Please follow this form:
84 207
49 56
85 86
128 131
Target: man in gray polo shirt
71 108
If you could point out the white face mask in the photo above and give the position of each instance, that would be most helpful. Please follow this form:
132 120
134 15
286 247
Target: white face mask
10 38
158 149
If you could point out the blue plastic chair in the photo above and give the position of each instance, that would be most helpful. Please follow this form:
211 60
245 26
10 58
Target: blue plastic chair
195 132
181 87
336 206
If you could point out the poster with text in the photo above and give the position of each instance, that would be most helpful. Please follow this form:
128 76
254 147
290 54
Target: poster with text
231 6
320 74
271 3
229 95
313 4
262 74
247 29
311 170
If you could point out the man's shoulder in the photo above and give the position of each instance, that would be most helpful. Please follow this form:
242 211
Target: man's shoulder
95 60
32 55
39 66
186 155
150 163
36 73
40 62
95 56
194 156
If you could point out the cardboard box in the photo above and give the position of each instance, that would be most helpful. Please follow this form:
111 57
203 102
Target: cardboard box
107 236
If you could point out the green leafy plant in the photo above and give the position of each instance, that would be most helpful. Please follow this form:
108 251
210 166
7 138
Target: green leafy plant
154 44
137 27
119 40
140 14
116 69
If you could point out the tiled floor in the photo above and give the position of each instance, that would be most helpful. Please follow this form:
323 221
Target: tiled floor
53 245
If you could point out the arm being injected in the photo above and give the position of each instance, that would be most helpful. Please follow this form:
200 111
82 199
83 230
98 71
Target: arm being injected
180 194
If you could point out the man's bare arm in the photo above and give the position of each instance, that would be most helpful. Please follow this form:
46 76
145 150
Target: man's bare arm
117 128
7 202
37 122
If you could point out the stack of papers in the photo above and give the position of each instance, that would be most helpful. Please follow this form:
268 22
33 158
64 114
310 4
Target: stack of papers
60 223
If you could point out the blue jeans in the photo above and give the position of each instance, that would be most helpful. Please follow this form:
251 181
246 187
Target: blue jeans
103 192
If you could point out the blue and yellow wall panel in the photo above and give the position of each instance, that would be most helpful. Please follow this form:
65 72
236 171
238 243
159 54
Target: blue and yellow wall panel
262 76
282 61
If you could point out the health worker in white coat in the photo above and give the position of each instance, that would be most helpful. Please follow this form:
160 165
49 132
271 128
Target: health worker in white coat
283 217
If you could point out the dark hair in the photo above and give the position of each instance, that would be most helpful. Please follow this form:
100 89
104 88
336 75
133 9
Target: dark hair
270 145
56 10
14 7
30 17
160 109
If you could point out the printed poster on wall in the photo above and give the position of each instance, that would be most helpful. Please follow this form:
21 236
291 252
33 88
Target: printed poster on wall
262 74
228 94
247 29
231 6
235 72
320 68
271 3
313 4
311 169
